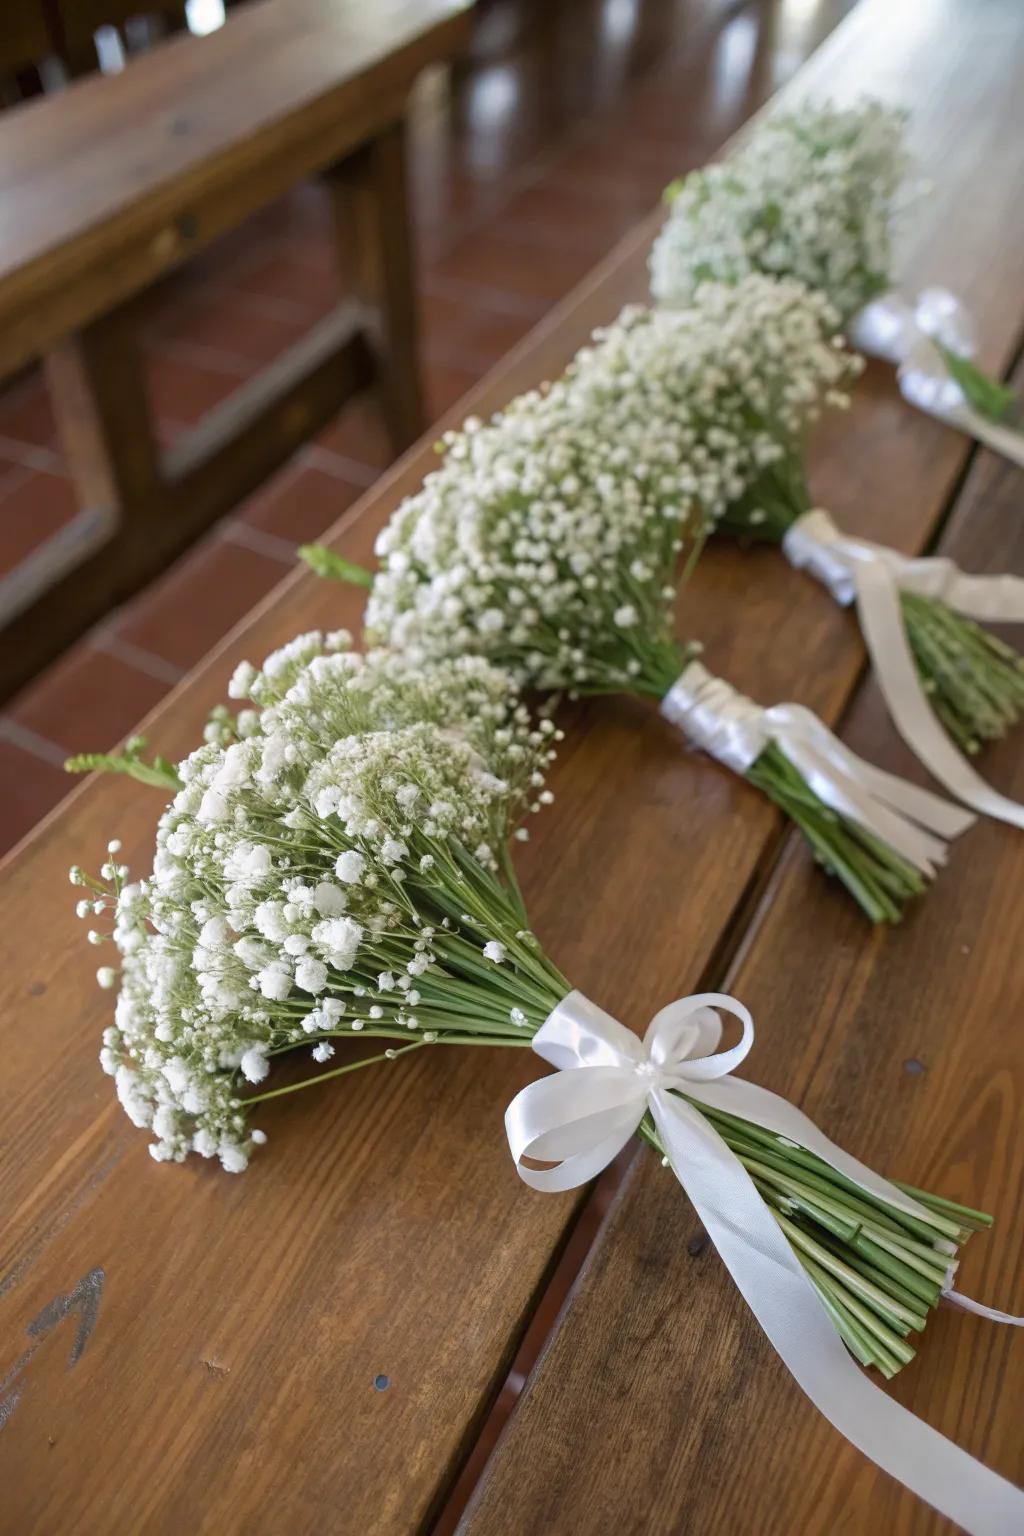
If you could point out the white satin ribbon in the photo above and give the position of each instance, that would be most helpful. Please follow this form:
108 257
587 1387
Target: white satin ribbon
585 1114
906 334
735 731
855 570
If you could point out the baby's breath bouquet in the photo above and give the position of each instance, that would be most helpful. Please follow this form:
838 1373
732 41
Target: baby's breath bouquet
815 194
554 538
775 359
335 866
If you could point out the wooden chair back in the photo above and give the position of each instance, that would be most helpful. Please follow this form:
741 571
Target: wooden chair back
80 20
25 42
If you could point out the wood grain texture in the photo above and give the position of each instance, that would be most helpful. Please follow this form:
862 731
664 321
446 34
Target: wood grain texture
227 1380
126 176
659 1407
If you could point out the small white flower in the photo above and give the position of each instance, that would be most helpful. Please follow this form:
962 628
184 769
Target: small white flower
324 1051
233 1159
254 1064
106 976
494 950
242 680
311 975
349 866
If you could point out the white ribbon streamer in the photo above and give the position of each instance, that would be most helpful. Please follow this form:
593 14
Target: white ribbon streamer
855 570
731 728
906 334
583 1116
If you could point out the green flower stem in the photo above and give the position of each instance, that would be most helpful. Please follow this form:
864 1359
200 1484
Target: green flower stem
323 1077
877 877
975 682
878 1271
158 774
880 880
372 1061
985 394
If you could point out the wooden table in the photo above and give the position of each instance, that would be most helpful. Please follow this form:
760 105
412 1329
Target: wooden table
111 185
183 1351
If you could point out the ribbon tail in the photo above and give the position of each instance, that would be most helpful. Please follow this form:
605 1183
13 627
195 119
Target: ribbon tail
772 1281
1007 441
881 621
1004 440
988 599
956 1299
913 822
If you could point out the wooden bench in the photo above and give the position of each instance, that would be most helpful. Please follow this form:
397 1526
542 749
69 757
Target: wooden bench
315 1346
116 182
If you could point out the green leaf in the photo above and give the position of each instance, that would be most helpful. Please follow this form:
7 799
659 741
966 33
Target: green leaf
324 562
988 397
159 773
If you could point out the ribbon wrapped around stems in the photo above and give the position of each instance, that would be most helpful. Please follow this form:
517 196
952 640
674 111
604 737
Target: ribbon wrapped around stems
910 335
735 731
608 1080
873 576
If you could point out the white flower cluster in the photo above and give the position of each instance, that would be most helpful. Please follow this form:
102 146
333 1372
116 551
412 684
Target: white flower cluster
549 539
812 194
329 870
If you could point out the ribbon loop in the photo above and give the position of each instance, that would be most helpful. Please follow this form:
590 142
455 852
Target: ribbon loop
855 570
890 327
586 1115
912 336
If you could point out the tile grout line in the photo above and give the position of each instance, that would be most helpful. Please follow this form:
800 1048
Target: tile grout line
31 742
137 656
272 545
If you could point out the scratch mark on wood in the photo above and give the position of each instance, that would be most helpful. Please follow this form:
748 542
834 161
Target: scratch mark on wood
83 1300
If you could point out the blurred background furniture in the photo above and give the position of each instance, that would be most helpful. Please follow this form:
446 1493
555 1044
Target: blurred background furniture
557 127
111 185
77 23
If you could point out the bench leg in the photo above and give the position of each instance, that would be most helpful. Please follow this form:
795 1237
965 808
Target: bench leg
371 206
98 388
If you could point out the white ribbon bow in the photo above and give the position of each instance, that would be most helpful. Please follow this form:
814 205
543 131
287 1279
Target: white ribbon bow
906 334
584 1115
855 570
735 731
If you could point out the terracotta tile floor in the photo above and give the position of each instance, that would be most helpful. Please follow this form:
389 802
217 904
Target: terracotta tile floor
529 161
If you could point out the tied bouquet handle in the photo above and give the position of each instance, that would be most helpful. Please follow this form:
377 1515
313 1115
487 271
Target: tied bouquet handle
932 344
874 577
608 1083
735 731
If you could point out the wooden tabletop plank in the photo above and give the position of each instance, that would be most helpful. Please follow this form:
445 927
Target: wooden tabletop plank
228 1380
121 177
905 1048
